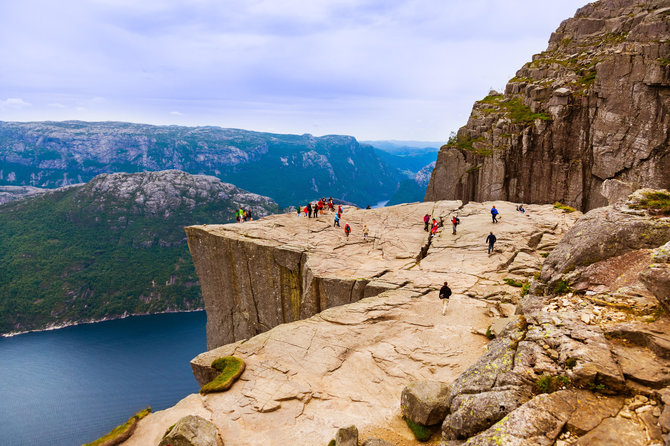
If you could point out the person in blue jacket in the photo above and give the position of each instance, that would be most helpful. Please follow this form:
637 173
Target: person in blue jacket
494 214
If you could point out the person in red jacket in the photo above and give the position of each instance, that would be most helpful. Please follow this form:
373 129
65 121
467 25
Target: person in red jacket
433 230
347 230
454 222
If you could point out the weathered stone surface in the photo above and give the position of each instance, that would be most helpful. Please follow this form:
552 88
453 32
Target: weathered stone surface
642 366
376 442
536 423
192 430
592 107
590 410
602 234
617 431
347 436
349 363
657 276
425 402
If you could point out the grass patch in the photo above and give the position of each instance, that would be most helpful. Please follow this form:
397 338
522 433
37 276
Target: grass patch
466 143
230 367
489 334
332 442
513 282
525 288
571 363
520 113
663 61
550 384
596 385
657 203
563 207
421 432
121 433
562 287
544 254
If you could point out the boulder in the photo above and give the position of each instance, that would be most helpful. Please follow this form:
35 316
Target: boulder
347 436
617 431
657 276
425 402
376 442
192 430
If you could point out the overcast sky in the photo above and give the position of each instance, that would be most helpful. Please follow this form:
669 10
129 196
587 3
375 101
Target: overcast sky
374 69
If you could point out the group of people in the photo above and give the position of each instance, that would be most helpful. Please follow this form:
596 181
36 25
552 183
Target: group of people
312 210
491 239
243 215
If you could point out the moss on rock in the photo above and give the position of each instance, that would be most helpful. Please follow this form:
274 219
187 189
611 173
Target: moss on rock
231 368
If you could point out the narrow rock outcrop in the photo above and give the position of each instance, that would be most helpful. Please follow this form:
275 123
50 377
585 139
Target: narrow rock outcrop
594 106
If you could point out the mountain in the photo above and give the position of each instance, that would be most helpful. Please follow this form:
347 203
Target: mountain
594 106
113 246
413 190
11 193
289 168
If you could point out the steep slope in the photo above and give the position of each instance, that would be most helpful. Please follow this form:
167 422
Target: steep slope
289 168
113 246
594 106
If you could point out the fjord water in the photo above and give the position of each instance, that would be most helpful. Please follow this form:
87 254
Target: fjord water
72 385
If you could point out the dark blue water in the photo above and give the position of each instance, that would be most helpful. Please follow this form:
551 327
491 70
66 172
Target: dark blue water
70 386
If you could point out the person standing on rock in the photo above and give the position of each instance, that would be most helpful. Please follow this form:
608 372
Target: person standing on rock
426 222
336 222
347 230
365 232
494 214
316 210
433 230
445 293
454 222
491 239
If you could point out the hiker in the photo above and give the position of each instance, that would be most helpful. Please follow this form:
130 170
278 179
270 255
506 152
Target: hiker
491 239
305 211
426 221
249 214
494 214
433 230
330 205
455 221
321 205
339 209
315 211
523 211
337 221
365 232
368 207
445 293
309 209
299 211
347 230
240 214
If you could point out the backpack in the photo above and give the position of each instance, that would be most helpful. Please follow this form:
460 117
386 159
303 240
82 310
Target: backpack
458 221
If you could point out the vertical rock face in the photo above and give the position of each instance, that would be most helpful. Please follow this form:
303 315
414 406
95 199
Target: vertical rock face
594 106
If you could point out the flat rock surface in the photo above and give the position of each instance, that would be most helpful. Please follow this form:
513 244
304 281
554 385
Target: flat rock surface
348 364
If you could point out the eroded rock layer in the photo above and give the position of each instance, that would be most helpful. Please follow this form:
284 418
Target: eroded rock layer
348 364
594 106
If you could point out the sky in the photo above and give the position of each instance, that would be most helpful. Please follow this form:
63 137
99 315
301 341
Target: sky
374 69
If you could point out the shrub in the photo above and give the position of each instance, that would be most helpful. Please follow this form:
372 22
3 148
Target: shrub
332 442
550 384
421 432
571 363
562 287
657 203
512 282
525 288
230 367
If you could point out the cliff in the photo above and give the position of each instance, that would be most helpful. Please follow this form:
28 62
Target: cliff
53 154
348 364
111 247
594 106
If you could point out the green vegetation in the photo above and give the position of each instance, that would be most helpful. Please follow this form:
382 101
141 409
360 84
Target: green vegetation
520 113
475 145
550 384
525 288
489 334
544 254
421 433
332 442
571 363
76 255
596 385
231 368
474 168
656 203
121 433
513 282
562 287
565 208
663 61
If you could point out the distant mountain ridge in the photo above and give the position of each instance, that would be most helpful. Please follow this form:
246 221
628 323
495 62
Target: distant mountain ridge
289 168
113 246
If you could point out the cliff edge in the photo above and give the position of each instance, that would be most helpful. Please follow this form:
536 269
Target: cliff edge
594 106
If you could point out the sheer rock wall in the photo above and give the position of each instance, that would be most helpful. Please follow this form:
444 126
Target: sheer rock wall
594 106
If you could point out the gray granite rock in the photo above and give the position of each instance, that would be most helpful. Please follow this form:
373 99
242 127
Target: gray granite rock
192 430
425 402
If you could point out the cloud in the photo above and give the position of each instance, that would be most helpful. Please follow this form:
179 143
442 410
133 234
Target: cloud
345 63
15 103
176 113
55 105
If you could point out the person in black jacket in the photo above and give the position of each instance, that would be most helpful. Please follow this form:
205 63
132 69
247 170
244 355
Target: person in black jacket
491 239
445 293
